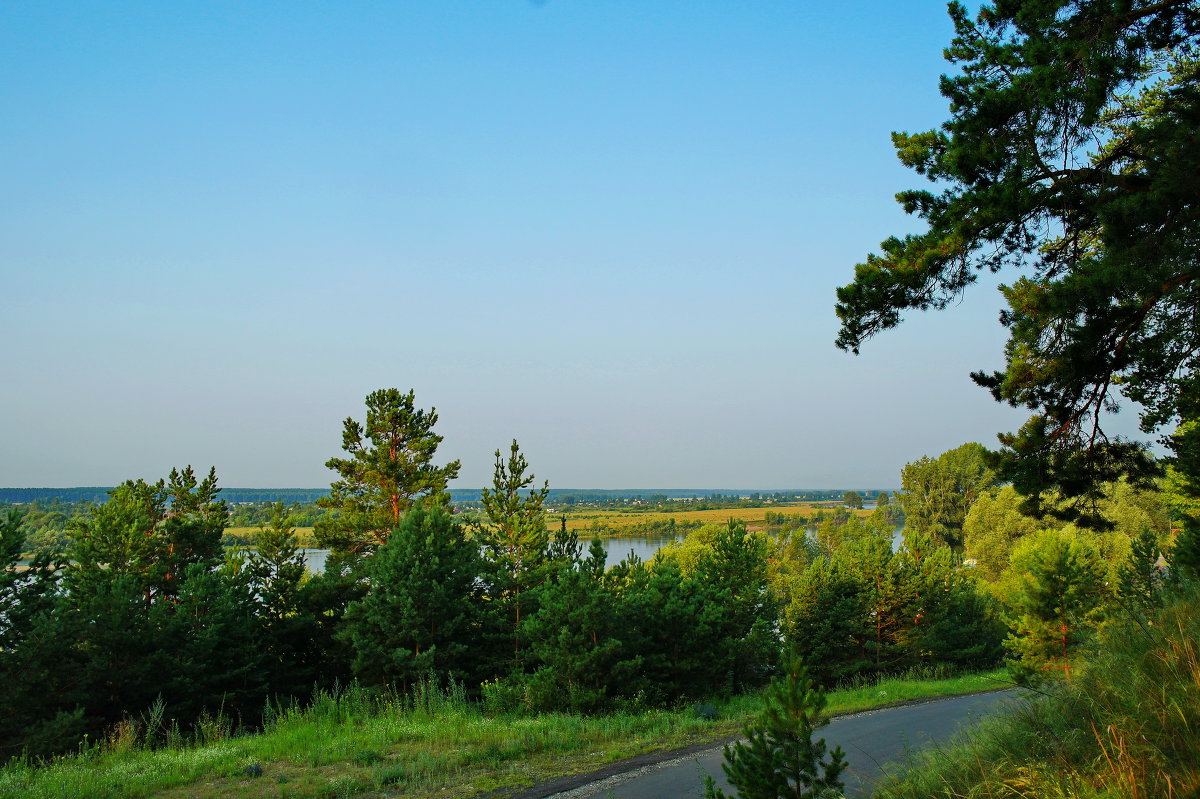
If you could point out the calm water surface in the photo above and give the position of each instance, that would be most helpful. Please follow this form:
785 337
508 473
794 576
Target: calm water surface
615 549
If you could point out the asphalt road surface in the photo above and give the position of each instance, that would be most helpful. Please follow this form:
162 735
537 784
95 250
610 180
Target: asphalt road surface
871 741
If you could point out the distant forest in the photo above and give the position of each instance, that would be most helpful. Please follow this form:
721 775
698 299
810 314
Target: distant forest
564 496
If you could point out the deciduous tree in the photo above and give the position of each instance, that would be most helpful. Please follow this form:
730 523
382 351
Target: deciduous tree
938 492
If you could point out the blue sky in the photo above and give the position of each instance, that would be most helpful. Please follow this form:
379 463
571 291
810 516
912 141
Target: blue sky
611 230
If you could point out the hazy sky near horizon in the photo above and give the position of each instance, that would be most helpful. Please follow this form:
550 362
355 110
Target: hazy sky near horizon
610 230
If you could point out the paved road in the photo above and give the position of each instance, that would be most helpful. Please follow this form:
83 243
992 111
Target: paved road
870 740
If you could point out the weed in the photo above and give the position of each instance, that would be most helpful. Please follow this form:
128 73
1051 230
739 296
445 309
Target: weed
367 757
1129 725
391 775
343 787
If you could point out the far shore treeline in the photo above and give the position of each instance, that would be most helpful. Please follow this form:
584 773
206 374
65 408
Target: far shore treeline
138 615
567 496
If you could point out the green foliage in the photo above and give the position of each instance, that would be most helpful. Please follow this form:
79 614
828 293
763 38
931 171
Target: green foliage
993 526
1070 155
939 492
852 500
419 613
143 614
389 470
1057 603
736 569
1141 578
867 609
276 565
287 605
1128 725
38 700
825 621
780 759
515 540
150 534
575 638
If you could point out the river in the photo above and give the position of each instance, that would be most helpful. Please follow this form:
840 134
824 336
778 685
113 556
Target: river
615 549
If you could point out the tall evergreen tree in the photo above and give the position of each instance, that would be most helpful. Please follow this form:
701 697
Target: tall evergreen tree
515 539
389 470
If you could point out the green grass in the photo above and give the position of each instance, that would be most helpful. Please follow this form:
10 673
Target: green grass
437 746
1128 726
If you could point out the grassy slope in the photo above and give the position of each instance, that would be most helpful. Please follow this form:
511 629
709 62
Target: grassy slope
441 747
1129 726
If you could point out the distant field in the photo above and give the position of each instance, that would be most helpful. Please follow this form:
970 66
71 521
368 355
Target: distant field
304 535
583 519
753 517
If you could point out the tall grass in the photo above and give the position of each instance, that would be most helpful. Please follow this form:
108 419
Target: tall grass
356 742
1128 726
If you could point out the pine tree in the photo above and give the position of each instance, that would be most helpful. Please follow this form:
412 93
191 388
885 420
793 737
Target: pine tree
389 471
1057 602
150 533
780 759
40 700
514 538
575 637
1139 578
279 583
420 612
276 565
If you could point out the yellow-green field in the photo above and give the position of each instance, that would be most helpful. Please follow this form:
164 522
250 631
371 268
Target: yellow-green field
582 520
304 535
585 520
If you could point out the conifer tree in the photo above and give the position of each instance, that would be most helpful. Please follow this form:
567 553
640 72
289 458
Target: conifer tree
575 635
389 470
1139 578
515 538
420 612
150 533
276 565
780 759
278 578
1057 602
40 700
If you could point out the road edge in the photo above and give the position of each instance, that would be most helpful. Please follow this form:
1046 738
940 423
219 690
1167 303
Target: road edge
570 782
